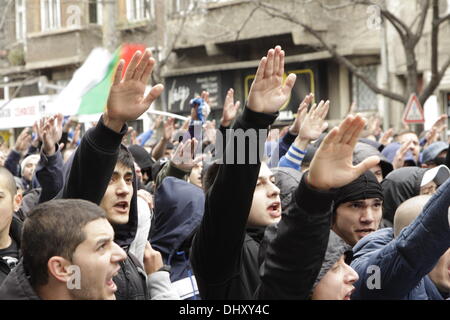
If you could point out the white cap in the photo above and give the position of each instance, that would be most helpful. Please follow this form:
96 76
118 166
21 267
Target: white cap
437 174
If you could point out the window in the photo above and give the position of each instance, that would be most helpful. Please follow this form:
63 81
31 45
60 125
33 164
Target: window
181 6
20 20
138 10
50 14
365 98
95 12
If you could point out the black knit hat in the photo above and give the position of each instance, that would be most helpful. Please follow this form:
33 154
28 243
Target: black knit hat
366 186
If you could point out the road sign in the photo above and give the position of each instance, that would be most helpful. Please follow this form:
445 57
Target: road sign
413 111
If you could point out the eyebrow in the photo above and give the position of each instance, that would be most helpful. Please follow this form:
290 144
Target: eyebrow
102 240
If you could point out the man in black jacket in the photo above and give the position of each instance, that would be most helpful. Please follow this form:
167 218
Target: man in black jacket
10 226
297 245
224 254
102 171
68 254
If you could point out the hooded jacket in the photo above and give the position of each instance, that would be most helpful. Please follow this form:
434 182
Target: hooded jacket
293 250
336 247
397 268
363 151
399 186
287 180
179 207
17 286
223 256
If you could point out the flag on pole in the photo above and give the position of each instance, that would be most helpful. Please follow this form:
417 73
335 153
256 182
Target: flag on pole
87 92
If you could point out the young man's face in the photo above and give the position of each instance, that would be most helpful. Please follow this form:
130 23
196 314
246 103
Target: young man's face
376 170
337 283
266 205
357 219
28 171
98 258
196 175
429 189
8 204
117 199
6 207
440 275
138 172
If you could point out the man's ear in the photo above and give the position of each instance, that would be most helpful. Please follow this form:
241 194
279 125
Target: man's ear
58 268
17 201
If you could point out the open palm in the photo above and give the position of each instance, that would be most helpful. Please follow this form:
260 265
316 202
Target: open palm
332 165
313 123
267 93
126 100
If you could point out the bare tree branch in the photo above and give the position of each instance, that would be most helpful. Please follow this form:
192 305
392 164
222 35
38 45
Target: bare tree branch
436 75
444 18
423 17
277 13
5 13
434 83
238 33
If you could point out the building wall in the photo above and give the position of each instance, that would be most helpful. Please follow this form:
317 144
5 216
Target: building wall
219 38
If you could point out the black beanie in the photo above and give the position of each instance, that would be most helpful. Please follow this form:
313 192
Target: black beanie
366 186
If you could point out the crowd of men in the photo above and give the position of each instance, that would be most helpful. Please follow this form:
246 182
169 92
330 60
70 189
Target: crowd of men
238 212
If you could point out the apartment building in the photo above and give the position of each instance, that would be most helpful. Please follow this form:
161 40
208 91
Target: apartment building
214 45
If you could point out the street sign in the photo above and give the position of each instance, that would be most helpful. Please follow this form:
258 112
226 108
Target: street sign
413 111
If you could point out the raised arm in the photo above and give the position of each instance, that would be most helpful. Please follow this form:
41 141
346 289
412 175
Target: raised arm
312 124
404 261
295 256
49 170
219 240
93 163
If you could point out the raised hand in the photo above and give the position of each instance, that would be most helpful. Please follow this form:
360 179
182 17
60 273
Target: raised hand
441 123
169 129
399 158
230 109
384 140
267 93
332 165
313 123
23 141
126 99
157 122
51 132
38 137
152 259
295 127
183 157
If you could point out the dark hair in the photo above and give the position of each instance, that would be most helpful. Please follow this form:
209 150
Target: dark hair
125 158
54 228
209 174
10 182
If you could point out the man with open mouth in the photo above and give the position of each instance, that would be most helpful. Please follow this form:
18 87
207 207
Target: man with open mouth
68 254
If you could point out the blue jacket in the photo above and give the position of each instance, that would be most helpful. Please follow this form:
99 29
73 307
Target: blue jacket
404 262
179 208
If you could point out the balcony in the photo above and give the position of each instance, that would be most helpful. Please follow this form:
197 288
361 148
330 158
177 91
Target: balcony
61 47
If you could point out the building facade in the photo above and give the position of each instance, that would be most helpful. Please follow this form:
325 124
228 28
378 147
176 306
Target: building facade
215 45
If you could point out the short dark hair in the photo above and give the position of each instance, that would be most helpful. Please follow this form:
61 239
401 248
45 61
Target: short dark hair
8 179
125 158
54 228
209 174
